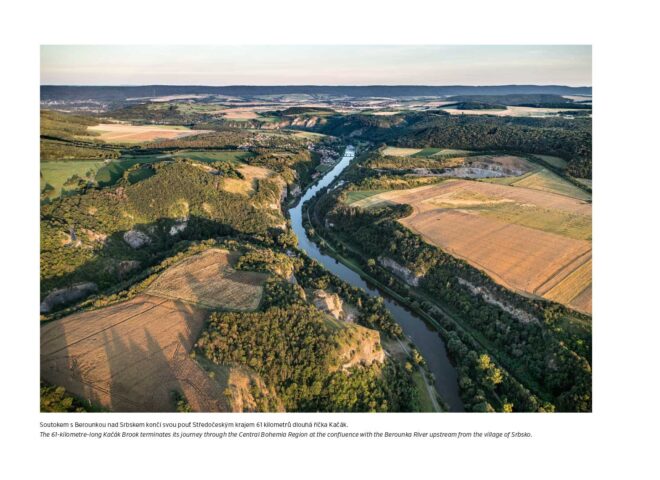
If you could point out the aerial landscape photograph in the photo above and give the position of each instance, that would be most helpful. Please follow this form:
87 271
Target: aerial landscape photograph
230 228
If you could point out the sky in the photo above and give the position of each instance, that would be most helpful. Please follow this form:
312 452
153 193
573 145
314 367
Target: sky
315 65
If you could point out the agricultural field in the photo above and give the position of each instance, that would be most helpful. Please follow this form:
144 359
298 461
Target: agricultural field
451 152
133 355
513 111
533 242
124 133
554 161
56 174
587 182
233 156
359 195
247 184
400 152
427 152
130 356
307 135
208 280
547 181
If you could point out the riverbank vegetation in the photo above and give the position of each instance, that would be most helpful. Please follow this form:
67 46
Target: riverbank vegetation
547 349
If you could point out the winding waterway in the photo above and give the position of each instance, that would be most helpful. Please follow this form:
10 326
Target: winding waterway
426 339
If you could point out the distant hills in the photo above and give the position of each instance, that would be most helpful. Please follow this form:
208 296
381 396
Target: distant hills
121 93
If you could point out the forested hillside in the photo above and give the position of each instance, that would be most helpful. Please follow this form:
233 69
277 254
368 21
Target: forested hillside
568 139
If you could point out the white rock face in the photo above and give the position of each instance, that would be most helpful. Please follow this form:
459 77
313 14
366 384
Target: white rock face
178 227
136 239
409 277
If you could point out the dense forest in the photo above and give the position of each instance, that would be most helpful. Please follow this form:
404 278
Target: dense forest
519 99
292 348
82 236
568 139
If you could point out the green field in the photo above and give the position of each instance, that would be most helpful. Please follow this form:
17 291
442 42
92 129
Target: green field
444 153
113 171
356 196
427 152
553 161
56 173
567 224
425 403
587 182
309 135
234 156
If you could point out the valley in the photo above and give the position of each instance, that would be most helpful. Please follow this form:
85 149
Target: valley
316 250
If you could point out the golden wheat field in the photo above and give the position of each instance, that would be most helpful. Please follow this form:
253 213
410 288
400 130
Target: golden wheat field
246 185
131 356
124 133
531 241
208 280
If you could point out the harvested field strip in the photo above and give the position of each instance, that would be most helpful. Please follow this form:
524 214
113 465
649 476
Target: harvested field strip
554 161
518 257
529 241
507 180
356 196
208 280
557 277
563 223
130 356
572 285
547 181
124 133
582 302
400 152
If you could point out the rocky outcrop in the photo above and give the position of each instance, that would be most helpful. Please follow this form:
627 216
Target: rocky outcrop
136 239
178 227
488 297
358 345
329 303
407 275
66 296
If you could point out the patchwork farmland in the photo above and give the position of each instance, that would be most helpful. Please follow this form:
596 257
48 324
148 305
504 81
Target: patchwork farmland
534 242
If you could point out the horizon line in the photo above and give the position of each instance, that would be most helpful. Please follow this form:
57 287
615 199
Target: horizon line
316 85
